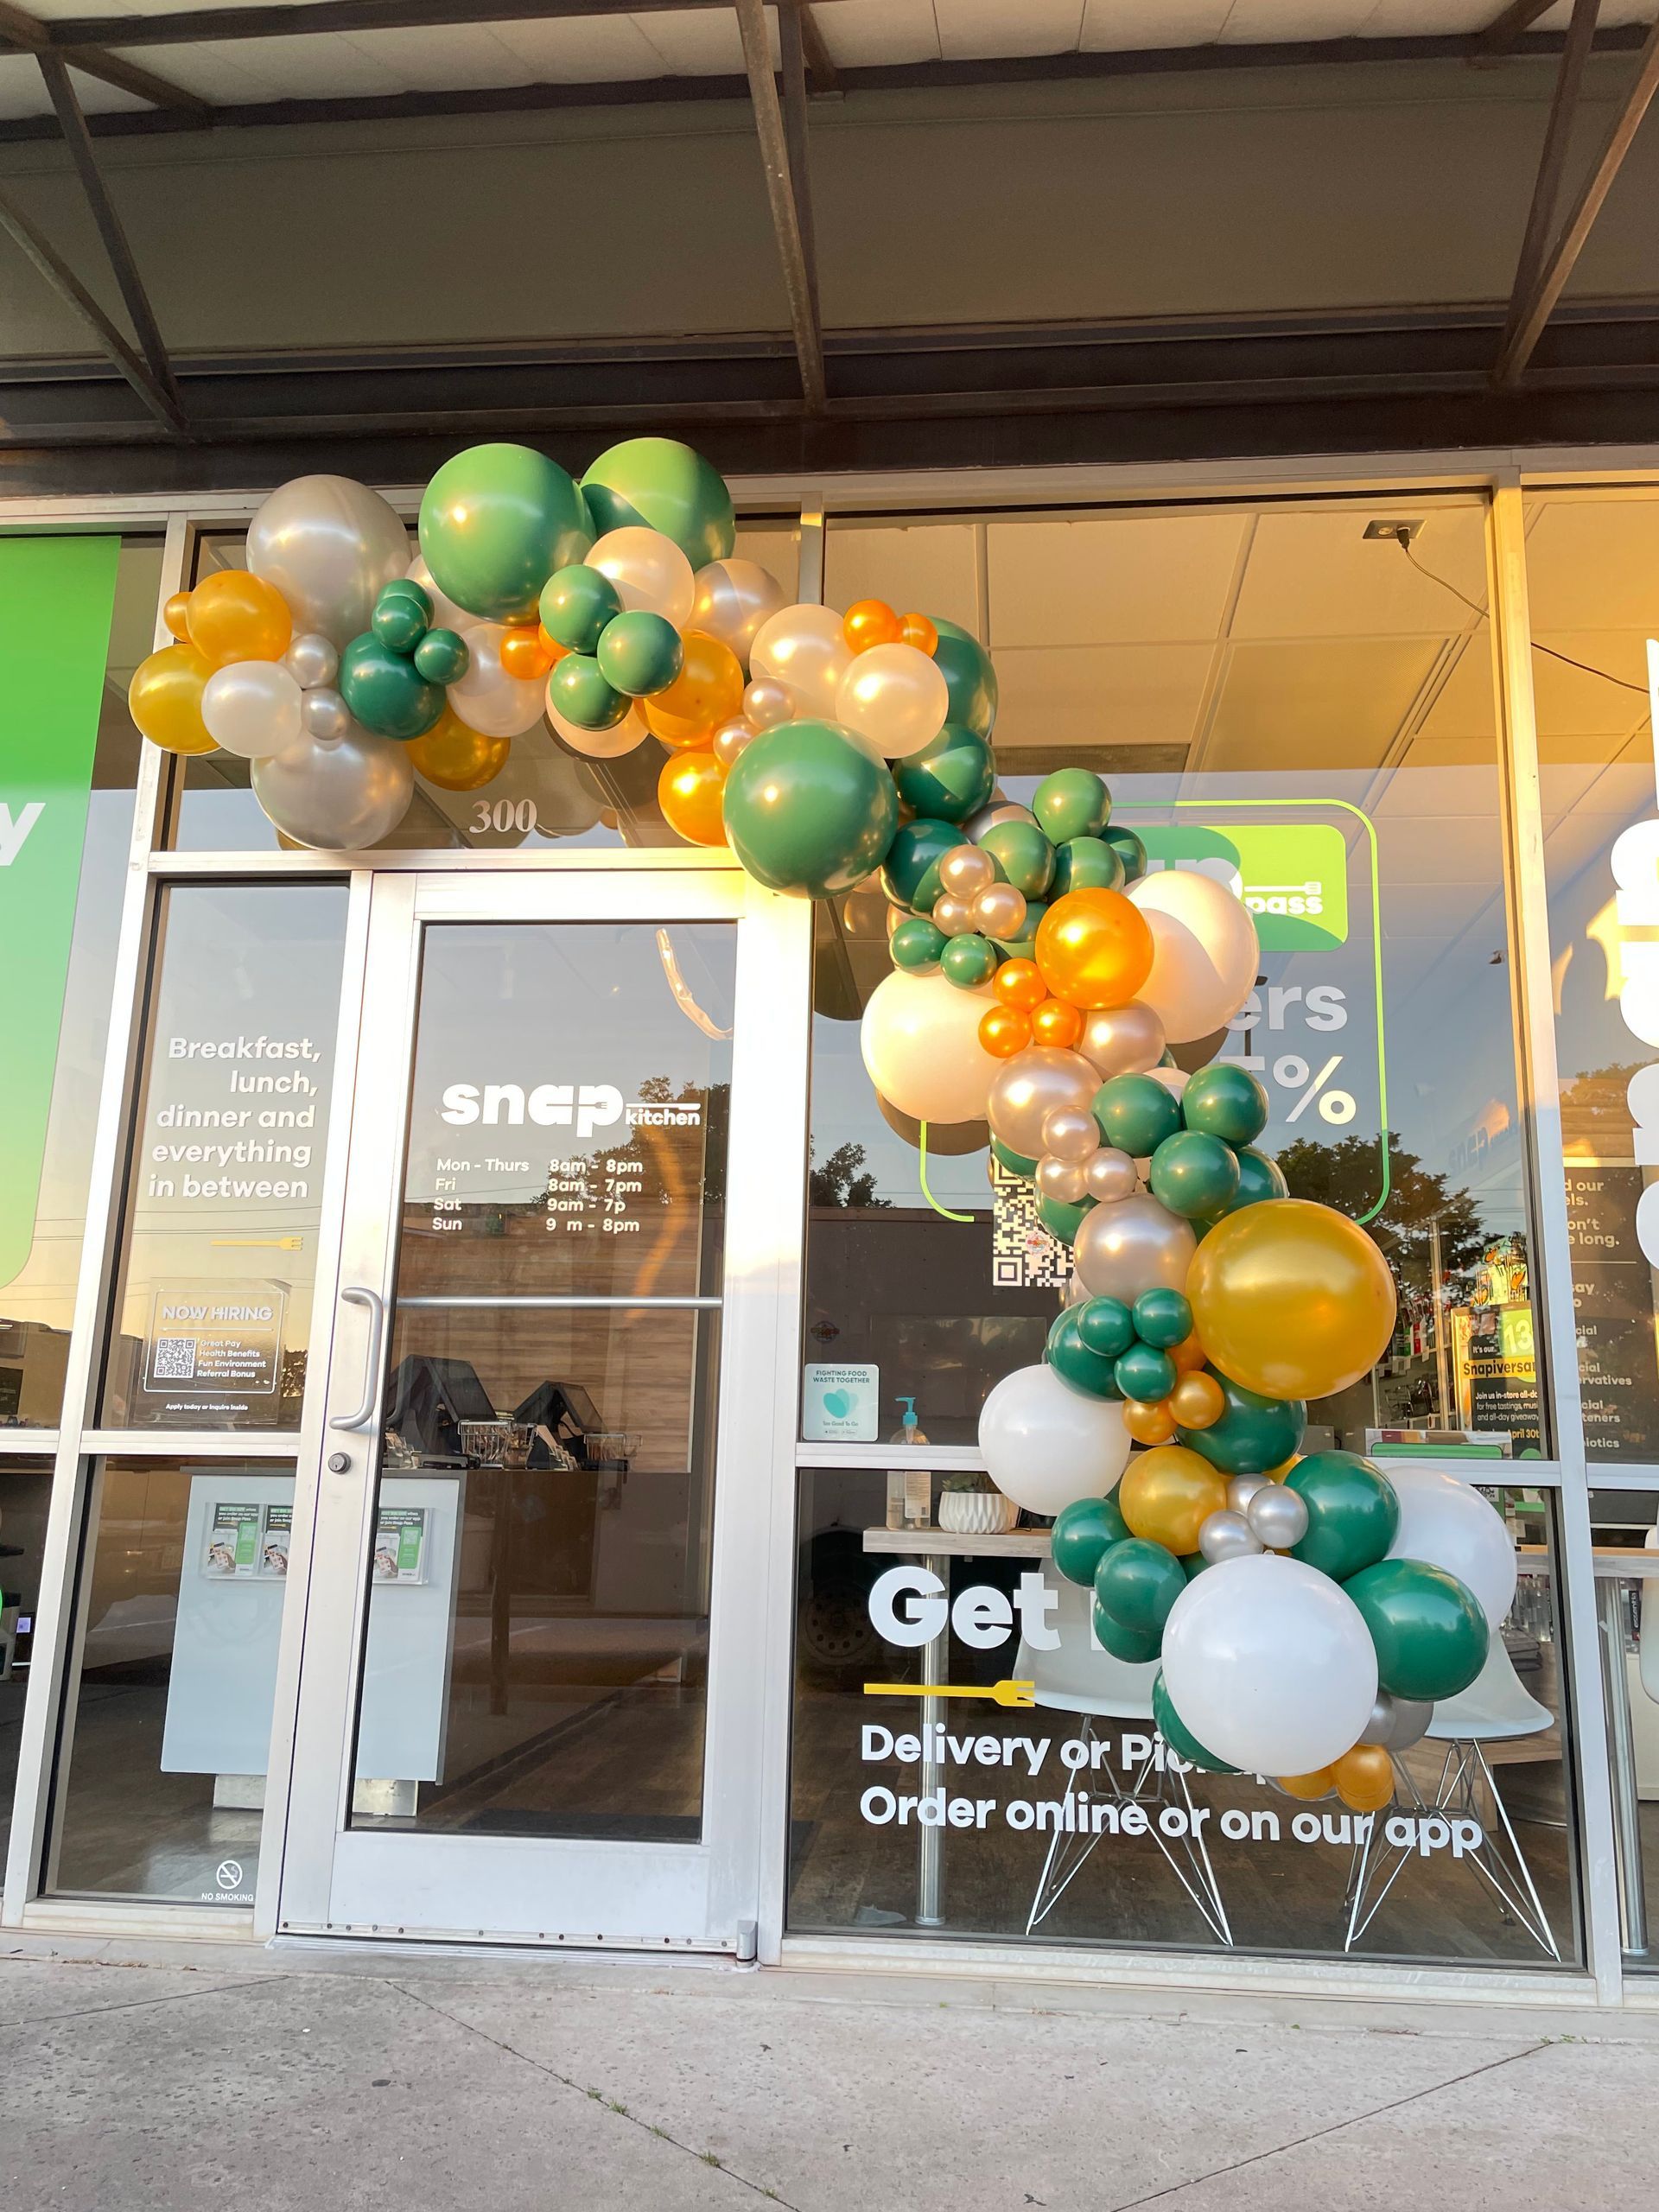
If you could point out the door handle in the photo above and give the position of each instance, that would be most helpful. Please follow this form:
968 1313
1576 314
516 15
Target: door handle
356 1295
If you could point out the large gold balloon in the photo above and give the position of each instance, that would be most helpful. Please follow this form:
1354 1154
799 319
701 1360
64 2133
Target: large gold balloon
1168 1494
1291 1299
457 758
164 700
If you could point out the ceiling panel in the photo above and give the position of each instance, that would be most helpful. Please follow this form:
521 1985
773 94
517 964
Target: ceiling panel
1132 26
1145 579
22 92
1428 18
229 71
1257 23
443 58
1320 706
1465 711
1593 564
590 50
1571 703
1316 575
1100 695
971 28
874 33
704 42
928 568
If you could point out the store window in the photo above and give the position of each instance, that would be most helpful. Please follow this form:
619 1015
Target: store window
25 1495
1625 1527
77 615
229 1139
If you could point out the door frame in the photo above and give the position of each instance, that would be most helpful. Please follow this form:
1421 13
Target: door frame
323 1879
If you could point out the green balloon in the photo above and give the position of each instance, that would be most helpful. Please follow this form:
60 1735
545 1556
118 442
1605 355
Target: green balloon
578 689
951 777
664 485
1129 851
1253 1433
1193 1564
1023 946
916 946
1145 1373
407 587
496 521
1016 1162
969 961
969 675
1432 1638
1136 1583
442 657
1259 1178
1106 1326
1353 1513
640 653
1063 1220
1193 1175
1135 1646
1162 1317
577 603
1175 1732
1082 1532
398 622
909 872
1071 803
387 693
1023 853
1136 1114
808 811
1073 1362
1087 864
1225 1101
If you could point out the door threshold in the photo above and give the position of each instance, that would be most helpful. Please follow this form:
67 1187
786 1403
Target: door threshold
440 1943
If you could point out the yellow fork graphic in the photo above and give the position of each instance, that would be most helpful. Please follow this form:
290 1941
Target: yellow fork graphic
1020 1694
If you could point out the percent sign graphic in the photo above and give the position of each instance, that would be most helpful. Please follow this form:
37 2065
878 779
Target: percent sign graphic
1293 1073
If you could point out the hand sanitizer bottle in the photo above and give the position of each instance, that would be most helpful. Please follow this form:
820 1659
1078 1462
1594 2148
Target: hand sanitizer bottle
910 1489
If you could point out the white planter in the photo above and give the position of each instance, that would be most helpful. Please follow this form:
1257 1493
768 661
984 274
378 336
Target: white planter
976 1512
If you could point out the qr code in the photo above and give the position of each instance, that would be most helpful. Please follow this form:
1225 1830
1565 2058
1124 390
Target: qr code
173 1359
1024 1255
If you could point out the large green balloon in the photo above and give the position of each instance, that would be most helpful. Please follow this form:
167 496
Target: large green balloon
1136 1646
1071 803
1136 1114
807 811
1024 856
1259 1178
495 523
1087 1371
1082 1532
1016 1162
1193 1175
1137 1583
666 486
1432 1638
1176 1733
969 675
1061 1220
1225 1101
1087 864
910 873
387 693
1353 1513
1253 1433
951 777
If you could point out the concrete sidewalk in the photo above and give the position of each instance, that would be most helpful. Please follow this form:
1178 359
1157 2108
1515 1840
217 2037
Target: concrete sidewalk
215 2078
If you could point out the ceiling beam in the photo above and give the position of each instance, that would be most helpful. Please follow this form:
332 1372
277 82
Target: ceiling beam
1499 36
26 33
780 193
1529 313
825 76
75 296
1546 186
792 53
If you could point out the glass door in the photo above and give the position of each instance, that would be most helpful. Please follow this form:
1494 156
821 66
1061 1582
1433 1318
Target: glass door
553 1474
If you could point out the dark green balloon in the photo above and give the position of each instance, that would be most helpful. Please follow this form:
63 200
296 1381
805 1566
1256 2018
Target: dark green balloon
577 603
639 652
1432 1638
578 689
916 946
1353 1513
807 811
408 588
1086 864
1193 1564
969 678
1225 1101
442 657
385 692
1106 1326
1253 1433
1071 803
398 622
951 777
1161 1318
1063 1220
1135 1646
1136 1114
1082 1532
664 484
1074 1363
1136 1583
1193 1175
1259 1178
1176 1733
1023 853
969 960
1145 1373
495 523
909 872
1129 851
1023 946
1016 1162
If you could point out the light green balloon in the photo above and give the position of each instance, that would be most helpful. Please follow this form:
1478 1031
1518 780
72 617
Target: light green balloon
496 521
664 485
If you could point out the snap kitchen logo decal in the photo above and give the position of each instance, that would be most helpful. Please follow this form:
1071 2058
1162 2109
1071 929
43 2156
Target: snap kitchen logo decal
585 1107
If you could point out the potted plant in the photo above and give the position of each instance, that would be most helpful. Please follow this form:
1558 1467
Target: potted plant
971 1505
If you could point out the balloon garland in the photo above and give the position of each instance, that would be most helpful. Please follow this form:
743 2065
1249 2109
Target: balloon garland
1305 1614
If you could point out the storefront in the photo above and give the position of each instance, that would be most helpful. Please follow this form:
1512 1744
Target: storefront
473 1346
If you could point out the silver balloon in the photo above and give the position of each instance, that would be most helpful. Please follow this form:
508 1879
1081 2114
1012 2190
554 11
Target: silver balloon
328 544
734 598
1411 1719
1134 1245
1110 1174
324 714
337 796
1026 1089
311 660
1060 1179
1380 1726
953 915
965 870
1000 910
1003 809
1279 1516
1123 1039
1226 1535
1071 1133
1243 1489
731 738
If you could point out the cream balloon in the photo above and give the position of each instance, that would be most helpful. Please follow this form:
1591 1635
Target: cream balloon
894 699
1205 952
328 544
767 703
1130 1245
1121 1039
802 648
598 744
1045 1446
920 1042
446 615
649 572
252 707
312 661
486 698
338 795
1027 1089
734 599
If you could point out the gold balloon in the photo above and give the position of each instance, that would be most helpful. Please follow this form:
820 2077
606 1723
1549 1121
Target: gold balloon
1291 1299
164 700
1364 1778
234 616
1320 1783
455 758
1197 1401
1168 1494
1094 948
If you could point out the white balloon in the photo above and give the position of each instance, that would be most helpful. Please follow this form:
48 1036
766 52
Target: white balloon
920 1042
894 698
1046 1444
734 598
1449 1524
328 544
486 698
446 615
802 648
650 572
1205 952
1270 1664
598 744
252 706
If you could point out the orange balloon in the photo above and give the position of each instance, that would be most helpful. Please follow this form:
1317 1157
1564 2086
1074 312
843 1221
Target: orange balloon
234 616
1189 1355
1280 1472
1320 1783
1197 1401
1167 1495
689 791
1017 983
455 758
1004 1030
1094 948
1150 1420
871 622
707 691
1054 1023
176 615
1364 1778
555 652
917 631
522 653
164 699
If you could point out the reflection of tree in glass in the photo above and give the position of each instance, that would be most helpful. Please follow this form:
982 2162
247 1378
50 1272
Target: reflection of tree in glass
1596 1110
839 1182
1344 1176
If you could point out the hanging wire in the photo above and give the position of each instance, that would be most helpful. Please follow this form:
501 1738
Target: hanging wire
1475 607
